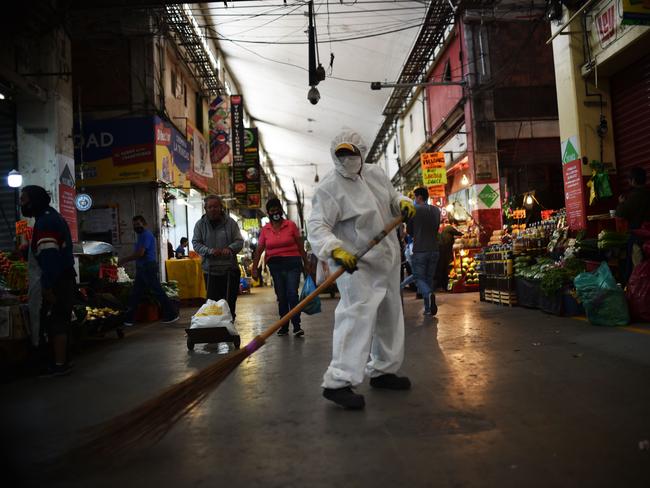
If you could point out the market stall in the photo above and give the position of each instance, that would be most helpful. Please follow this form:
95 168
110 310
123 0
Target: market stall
189 276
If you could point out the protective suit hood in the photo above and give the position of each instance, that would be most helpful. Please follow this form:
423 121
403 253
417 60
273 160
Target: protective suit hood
353 139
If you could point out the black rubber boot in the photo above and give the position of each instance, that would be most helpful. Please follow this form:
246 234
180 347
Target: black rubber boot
345 397
391 382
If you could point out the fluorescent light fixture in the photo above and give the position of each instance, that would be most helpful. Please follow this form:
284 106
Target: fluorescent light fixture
14 179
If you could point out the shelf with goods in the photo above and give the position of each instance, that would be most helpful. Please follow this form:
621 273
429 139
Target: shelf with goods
463 276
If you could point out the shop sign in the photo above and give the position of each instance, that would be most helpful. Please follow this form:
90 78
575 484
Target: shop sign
486 196
433 168
237 124
67 194
436 191
574 195
606 25
250 224
635 12
114 151
220 134
247 180
172 154
23 229
519 214
570 149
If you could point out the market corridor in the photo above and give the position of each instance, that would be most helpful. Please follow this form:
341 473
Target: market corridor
501 397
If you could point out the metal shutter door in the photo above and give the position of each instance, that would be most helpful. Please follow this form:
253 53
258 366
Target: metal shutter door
631 113
7 163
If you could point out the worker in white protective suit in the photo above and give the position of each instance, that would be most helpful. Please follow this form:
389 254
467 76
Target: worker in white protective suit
351 205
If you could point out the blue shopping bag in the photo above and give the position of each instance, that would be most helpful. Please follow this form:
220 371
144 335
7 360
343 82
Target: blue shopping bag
308 287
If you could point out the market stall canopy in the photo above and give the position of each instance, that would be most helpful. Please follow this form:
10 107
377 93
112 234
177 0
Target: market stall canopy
266 48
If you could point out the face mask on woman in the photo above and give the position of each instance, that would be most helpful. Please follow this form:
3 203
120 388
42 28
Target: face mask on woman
351 164
275 216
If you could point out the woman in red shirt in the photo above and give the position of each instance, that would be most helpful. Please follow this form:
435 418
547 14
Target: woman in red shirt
285 256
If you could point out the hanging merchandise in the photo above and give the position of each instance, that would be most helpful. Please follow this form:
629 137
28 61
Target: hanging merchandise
599 185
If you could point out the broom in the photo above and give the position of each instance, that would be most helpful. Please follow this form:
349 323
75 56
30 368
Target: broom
149 422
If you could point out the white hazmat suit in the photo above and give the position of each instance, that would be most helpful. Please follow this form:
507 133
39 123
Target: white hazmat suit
348 210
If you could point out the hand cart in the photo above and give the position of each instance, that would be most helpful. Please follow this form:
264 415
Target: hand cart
212 335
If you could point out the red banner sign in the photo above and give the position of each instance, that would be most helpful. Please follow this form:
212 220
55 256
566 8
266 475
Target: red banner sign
574 195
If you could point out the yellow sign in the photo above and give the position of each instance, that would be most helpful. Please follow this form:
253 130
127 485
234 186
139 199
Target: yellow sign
433 168
250 224
636 12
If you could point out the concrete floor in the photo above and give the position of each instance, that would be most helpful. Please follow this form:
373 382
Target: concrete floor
501 397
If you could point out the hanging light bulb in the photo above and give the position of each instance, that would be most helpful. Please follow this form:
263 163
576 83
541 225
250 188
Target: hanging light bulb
464 180
450 208
529 199
14 179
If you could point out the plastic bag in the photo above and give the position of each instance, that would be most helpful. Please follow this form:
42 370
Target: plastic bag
638 292
308 287
214 314
603 299
322 272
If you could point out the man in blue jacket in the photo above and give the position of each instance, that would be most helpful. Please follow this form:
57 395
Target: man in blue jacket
51 245
146 274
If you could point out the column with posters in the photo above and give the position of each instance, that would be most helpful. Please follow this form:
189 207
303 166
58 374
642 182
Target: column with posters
434 173
67 193
574 195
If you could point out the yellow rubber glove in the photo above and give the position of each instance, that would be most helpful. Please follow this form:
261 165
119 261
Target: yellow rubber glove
407 208
345 259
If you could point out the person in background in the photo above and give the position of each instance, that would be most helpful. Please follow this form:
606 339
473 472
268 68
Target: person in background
351 205
423 228
217 239
51 247
180 250
146 275
446 250
634 207
285 256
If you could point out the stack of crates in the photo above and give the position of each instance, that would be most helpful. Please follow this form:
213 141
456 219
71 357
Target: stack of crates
498 278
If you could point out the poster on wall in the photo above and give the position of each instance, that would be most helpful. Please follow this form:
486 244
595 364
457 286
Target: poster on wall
574 195
247 182
172 155
220 136
67 193
433 169
197 163
115 151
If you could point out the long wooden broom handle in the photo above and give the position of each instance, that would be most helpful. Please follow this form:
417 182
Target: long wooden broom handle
259 340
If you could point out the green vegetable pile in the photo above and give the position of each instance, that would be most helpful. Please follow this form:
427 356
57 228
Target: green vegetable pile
554 279
609 239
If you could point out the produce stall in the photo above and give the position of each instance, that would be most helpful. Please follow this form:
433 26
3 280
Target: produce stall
188 274
463 273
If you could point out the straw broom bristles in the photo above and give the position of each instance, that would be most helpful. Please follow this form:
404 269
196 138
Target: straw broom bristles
149 422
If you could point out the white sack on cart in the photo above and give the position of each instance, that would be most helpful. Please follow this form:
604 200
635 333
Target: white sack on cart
322 272
214 314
